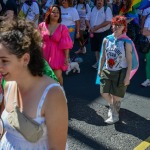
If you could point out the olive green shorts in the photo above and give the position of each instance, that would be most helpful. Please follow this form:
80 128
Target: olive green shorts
112 82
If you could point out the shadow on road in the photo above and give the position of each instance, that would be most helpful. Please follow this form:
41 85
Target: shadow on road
133 124
81 111
94 145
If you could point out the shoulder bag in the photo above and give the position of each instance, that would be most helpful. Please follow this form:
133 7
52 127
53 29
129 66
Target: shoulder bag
26 126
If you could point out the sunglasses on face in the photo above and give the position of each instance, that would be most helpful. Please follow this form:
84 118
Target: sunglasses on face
118 25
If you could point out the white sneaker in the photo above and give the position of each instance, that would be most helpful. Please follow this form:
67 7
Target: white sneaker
95 65
112 119
117 109
109 112
113 115
84 50
146 83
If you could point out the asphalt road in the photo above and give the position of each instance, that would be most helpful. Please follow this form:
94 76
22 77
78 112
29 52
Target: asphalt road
88 110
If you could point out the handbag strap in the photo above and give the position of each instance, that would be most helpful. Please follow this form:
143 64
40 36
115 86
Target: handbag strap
15 94
27 10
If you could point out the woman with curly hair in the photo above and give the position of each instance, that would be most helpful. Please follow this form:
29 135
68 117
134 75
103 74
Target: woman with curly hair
39 97
116 67
56 41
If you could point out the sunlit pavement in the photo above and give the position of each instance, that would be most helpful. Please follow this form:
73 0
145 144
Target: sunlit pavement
87 111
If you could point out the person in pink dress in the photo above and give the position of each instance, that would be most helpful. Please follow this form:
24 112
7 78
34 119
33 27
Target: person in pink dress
56 41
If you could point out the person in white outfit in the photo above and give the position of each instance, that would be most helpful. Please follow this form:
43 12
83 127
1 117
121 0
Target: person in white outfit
70 18
99 24
84 11
31 11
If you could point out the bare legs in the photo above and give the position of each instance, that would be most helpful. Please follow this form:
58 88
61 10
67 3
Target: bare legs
114 103
111 99
81 43
58 74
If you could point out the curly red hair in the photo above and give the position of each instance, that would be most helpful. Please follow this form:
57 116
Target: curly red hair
120 20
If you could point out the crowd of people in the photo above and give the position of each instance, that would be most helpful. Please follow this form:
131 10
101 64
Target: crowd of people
35 42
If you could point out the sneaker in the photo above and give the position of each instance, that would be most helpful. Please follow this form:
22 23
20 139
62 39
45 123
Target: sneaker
95 65
146 83
112 119
109 112
113 115
117 106
84 50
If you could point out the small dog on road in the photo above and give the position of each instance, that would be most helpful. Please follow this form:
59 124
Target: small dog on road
73 66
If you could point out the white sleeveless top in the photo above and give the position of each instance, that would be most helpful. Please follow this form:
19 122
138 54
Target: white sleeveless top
13 140
115 55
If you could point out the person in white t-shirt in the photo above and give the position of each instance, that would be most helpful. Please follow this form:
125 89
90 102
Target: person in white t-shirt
47 5
144 16
70 18
84 10
146 32
31 11
99 24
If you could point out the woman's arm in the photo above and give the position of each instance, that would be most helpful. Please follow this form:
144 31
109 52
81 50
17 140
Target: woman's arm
56 115
103 58
67 56
128 50
104 24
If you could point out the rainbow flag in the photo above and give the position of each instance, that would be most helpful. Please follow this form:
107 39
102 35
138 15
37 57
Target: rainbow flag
137 4
132 12
144 4
140 4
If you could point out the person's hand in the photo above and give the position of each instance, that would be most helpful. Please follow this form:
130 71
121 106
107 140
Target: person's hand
95 28
92 30
67 60
77 35
126 81
89 29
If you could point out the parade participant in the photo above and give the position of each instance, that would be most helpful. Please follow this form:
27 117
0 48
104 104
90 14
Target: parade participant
99 26
84 10
116 66
70 18
146 32
56 41
39 97
30 11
